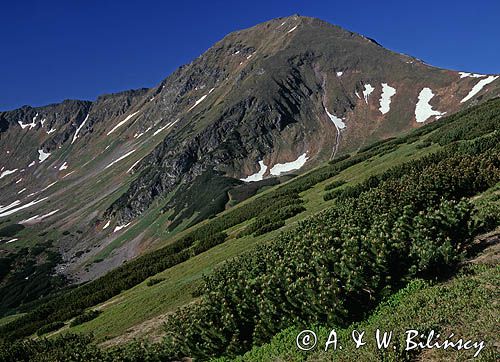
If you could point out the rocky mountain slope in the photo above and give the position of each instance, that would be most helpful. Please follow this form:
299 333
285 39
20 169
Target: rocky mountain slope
105 180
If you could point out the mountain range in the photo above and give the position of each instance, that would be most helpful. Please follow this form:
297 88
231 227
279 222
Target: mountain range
107 180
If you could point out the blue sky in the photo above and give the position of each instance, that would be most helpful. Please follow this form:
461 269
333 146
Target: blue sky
55 50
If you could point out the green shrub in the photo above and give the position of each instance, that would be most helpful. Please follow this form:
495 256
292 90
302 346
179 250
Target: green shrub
11 230
334 185
54 326
85 317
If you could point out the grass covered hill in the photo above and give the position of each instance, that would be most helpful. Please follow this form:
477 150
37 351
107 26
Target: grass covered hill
377 237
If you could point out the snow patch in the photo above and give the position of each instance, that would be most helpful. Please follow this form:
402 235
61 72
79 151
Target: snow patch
25 206
38 218
160 129
368 90
19 180
168 125
258 176
30 125
48 186
357 94
122 122
385 99
7 172
338 122
119 159
11 241
292 29
119 227
52 130
25 125
33 163
135 164
68 174
107 225
42 156
477 88
423 109
198 102
64 166
75 136
280 168
470 75
13 204
339 74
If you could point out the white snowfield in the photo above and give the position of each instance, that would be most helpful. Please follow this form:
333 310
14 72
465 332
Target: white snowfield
7 172
470 75
42 156
338 122
135 164
258 176
119 159
69 173
119 227
75 136
122 122
160 129
64 166
385 100
22 207
280 168
478 87
138 135
198 102
48 186
30 125
24 125
423 110
38 218
368 90
10 206
167 126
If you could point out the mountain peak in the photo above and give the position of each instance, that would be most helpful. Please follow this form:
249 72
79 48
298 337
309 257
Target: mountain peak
278 98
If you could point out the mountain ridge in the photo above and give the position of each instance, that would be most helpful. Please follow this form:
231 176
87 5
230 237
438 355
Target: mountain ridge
274 99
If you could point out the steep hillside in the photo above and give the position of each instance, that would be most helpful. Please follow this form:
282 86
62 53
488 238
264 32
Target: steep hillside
308 253
107 180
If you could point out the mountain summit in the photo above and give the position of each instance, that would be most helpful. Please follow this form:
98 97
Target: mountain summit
109 179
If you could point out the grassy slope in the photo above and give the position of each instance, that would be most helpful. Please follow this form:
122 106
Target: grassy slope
464 305
129 311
